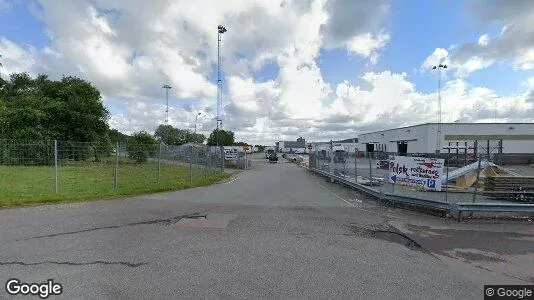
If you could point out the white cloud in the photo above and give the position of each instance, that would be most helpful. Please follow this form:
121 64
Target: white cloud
367 45
439 55
461 68
529 83
16 59
357 25
483 40
129 49
514 44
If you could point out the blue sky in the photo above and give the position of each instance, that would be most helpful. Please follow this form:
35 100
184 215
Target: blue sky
416 31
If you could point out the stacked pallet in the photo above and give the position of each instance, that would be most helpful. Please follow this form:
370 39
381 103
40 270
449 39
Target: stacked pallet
509 183
517 189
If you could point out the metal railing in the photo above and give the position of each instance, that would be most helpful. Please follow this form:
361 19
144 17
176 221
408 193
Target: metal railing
361 172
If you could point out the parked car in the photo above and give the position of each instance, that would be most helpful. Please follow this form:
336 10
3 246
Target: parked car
300 151
269 151
273 158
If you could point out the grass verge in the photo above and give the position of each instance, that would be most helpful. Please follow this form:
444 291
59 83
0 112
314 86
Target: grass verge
33 185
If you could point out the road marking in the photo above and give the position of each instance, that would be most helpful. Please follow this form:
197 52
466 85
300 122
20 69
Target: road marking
349 203
232 181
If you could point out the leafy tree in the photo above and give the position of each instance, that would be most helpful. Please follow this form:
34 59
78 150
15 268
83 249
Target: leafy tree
141 146
117 136
175 136
221 137
70 109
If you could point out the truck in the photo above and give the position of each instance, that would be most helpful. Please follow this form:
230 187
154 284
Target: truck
269 151
270 154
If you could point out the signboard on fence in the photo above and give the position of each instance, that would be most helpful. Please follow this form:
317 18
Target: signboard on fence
416 172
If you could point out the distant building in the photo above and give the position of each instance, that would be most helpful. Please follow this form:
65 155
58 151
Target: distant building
350 145
299 143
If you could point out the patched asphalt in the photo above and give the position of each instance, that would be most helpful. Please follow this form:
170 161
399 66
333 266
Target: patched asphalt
273 231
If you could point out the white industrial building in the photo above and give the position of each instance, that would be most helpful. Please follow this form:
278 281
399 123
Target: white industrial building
510 142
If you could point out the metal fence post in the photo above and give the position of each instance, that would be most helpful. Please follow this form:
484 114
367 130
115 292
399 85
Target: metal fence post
116 182
370 171
191 163
356 165
221 151
206 164
173 154
478 177
447 178
331 164
56 171
159 161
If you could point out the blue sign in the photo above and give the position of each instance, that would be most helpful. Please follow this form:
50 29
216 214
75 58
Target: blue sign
431 183
394 178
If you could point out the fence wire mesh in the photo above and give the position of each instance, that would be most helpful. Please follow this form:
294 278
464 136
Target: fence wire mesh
372 169
50 170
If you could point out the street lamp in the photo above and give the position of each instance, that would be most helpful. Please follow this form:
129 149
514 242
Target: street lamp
167 88
196 117
220 31
439 68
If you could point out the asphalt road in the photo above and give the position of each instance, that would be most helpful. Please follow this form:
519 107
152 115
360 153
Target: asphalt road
273 231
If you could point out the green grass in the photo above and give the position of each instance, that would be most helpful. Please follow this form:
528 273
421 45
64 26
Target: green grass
31 185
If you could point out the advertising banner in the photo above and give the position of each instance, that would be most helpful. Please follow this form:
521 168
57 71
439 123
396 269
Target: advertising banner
416 172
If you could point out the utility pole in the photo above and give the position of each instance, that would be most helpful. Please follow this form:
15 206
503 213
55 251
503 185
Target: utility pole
220 30
167 88
196 118
438 142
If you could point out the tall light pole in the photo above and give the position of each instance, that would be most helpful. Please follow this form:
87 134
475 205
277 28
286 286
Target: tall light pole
439 68
220 30
196 117
167 88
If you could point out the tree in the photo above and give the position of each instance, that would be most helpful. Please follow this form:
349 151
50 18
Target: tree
221 137
117 136
175 136
70 109
141 146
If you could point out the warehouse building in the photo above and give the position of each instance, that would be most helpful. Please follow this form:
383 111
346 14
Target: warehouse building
300 143
350 145
502 143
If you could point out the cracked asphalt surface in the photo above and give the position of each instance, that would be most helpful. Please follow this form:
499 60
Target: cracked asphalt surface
295 235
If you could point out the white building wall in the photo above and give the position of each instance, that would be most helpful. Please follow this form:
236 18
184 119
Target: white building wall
416 137
509 146
518 146
423 138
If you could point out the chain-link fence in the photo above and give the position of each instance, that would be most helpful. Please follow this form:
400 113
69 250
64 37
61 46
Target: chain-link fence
373 169
52 170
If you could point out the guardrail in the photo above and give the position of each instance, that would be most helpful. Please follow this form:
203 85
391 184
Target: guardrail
438 205
493 207
419 202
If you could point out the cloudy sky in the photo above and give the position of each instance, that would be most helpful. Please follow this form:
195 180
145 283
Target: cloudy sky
321 69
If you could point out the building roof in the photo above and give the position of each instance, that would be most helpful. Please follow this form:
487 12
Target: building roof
426 124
